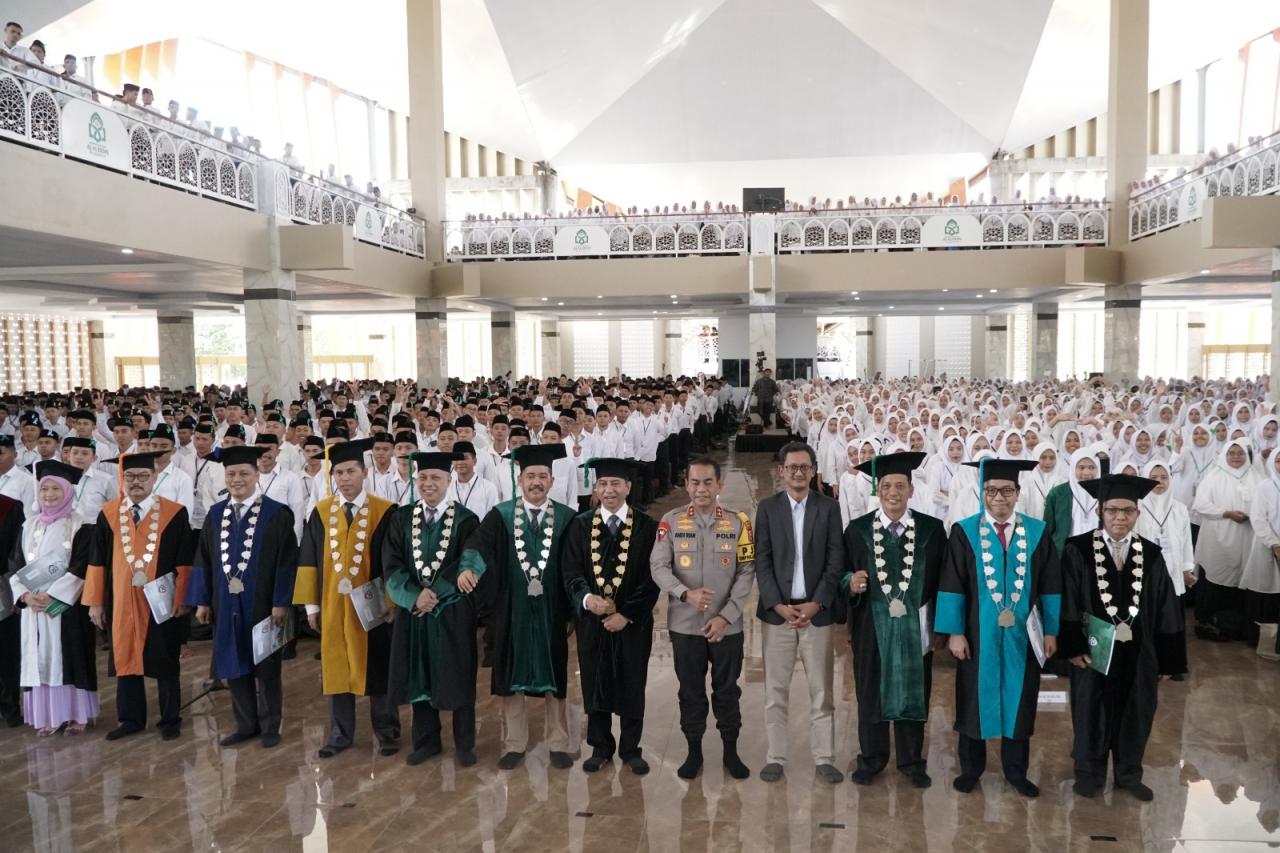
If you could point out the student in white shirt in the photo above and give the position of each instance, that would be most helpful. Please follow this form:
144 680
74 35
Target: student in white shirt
382 464
170 480
209 480
15 481
468 488
280 485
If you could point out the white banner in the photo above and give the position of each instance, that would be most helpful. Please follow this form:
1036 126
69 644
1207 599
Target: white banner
1191 201
581 240
368 224
951 230
92 133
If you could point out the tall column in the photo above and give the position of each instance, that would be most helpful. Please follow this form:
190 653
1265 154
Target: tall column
426 123
502 340
1127 99
978 346
998 346
614 348
1274 393
98 356
879 346
1044 340
863 349
304 344
928 357
273 357
176 334
550 348
1195 342
762 321
673 348
1121 323
430 325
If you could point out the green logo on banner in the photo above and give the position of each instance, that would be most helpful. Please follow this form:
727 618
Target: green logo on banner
1191 199
952 228
97 130
581 238
368 219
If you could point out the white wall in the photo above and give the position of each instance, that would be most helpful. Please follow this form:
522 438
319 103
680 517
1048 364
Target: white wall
734 338
797 337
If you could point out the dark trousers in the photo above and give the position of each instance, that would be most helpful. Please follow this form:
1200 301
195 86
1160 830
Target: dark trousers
684 446
1015 753
766 412
649 472
131 701
600 735
1126 758
426 727
701 435
693 655
257 698
663 465
1212 599
10 667
873 741
342 719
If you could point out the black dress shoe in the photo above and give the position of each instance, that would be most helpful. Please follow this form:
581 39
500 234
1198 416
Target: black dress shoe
1025 787
561 760
389 748
270 739
123 730
862 777
964 784
919 779
215 684
692 765
510 760
418 756
170 733
1086 788
467 758
329 750
596 762
1140 792
238 737
638 765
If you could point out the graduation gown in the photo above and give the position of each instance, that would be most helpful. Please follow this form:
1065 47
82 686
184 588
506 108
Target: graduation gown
351 659
1057 516
614 665
892 672
1118 708
998 686
61 650
433 657
138 645
529 633
268 579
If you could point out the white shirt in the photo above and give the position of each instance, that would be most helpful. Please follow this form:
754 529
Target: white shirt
174 484
287 488
21 486
478 494
797 527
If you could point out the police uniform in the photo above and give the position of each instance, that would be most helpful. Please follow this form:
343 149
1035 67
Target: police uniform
715 551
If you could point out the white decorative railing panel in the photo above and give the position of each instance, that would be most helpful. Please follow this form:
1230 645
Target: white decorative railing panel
597 237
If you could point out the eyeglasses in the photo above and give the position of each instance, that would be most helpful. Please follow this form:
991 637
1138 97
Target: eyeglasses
797 469
1120 511
1003 491
137 478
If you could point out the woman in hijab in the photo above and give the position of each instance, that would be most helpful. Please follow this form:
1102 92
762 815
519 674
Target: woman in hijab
59 674
965 499
943 474
855 487
1068 509
1014 447
1192 462
1142 447
1222 505
1166 522
1037 483
1261 579
830 452
1265 434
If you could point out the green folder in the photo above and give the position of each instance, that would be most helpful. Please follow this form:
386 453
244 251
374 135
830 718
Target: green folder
1102 640
56 609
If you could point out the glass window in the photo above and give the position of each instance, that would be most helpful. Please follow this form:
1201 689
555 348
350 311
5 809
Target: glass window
636 353
699 346
591 348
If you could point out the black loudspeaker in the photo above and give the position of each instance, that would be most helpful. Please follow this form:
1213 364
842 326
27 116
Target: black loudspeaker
755 429
763 199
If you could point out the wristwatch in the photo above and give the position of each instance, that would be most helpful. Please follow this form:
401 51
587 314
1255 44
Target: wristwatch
684 596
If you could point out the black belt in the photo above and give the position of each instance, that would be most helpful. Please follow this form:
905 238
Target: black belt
792 602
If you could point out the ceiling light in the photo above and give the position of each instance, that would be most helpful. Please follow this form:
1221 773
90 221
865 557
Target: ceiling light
655 310
675 296
857 299
992 290
126 251
600 296
891 307
853 293
544 299
946 290
1205 272
940 308
979 296
559 303
599 313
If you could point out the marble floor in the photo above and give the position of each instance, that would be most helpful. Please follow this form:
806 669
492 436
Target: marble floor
1213 761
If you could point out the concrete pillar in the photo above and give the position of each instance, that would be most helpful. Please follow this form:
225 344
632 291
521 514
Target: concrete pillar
1044 340
502 340
430 325
925 367
879 346
1274 392
549 187
567 362
997 346
1195 343
176 335
762 319
1126 108
550 348
304 342
1121 327
862 346
426 126
273 360
978 346
674 346
98 356
615 348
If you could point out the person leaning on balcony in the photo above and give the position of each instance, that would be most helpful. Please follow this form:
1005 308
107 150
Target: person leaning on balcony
13 32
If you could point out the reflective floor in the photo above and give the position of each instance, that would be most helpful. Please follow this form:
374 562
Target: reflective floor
1213 761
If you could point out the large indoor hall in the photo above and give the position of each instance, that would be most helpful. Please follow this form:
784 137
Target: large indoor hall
720 425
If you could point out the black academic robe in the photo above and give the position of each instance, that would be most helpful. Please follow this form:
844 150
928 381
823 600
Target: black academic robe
491 554
79 638
160 653
1122 703
435 654
931 546
614 665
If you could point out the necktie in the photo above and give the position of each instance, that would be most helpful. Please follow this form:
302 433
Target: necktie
1001 527
136 512
349 510
1117 552
238 508
614 523
533 518
431 517
896 528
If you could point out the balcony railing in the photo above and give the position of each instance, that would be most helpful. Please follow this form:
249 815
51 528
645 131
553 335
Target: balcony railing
597 237
1249 171
67 118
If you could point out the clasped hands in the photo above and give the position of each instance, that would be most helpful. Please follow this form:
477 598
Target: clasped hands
797 615
613 621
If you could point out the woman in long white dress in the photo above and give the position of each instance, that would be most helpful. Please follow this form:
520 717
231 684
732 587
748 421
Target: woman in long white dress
1222 506
1166 522
943 474
855 486
1261 580
58 670
1037 482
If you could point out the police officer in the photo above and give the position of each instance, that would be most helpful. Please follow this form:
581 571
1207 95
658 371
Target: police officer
704 559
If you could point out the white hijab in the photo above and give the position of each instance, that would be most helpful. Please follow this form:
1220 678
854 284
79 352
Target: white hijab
1084 506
